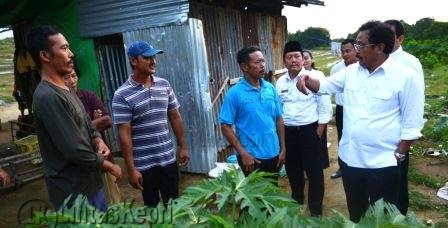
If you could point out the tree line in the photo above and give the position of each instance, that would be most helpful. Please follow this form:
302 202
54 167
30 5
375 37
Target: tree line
427 39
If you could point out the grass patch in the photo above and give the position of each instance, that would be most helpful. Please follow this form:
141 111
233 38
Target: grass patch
6 88
436 81
417 177
324 60
418 201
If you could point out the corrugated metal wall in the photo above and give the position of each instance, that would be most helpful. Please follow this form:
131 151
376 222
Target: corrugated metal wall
112 64
104 17
184 64
199 56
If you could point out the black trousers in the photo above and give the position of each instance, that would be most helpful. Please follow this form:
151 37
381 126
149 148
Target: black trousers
364 187
265 165
304 154
403 193
163 180
339 122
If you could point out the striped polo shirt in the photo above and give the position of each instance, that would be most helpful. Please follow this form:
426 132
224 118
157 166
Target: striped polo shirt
147 111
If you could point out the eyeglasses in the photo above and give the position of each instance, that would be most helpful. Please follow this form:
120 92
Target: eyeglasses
359 47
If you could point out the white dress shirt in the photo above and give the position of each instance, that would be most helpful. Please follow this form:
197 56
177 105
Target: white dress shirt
380 109
412 62
339 97
300 109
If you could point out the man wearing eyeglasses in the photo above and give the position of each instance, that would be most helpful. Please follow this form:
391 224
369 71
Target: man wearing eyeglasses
414 64
383 115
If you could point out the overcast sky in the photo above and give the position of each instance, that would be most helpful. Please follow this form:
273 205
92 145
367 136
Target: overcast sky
342 17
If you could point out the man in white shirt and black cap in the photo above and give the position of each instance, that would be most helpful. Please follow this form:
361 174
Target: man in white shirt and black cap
305 118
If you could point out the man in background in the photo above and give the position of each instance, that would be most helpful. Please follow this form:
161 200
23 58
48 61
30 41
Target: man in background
348 53
414 64
101 121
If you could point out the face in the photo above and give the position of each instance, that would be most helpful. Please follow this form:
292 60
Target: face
366 52
71 80
293 62
144 65
348 53
60 57
307 60
255 68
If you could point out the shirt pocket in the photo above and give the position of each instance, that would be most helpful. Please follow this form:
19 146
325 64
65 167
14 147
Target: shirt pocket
268 104
383 101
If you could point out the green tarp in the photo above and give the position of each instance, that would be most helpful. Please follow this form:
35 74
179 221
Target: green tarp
63 15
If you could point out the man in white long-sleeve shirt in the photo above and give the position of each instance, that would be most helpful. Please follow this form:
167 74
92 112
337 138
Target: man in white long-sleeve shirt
414 64
383 115
348 53
305 118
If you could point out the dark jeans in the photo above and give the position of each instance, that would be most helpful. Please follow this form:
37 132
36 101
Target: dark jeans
364 187
339 122
403 194
304 154
265 165
160 179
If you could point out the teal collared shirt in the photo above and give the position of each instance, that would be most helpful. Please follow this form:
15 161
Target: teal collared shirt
254 113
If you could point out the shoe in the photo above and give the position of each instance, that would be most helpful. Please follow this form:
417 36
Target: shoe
337 174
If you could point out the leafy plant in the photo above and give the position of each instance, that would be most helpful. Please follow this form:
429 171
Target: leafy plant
231 200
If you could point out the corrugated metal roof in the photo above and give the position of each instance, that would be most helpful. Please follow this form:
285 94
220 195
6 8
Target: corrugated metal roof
104 17
184 64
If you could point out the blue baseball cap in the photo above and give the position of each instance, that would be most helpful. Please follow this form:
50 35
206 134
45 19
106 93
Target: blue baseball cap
142 48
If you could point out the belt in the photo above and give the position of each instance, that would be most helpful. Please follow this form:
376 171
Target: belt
302 126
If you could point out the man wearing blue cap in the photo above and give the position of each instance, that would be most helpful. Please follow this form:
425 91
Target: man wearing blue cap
142 107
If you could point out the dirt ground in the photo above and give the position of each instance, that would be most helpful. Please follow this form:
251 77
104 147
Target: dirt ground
334 199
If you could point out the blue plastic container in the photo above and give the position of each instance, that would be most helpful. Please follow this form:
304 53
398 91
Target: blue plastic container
232 159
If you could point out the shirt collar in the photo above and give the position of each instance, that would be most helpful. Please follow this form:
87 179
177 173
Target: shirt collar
302 71
248 86
397 52
135 84
385 66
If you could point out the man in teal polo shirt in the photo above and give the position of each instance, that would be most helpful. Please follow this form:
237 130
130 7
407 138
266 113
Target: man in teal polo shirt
253 107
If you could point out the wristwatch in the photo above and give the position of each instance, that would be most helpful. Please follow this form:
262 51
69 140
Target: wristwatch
399 156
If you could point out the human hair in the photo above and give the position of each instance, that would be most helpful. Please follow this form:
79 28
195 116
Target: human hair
348 41
399 28
379 33
38 40
243 54
313 65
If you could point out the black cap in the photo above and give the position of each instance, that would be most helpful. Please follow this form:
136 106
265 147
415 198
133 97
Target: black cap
292 46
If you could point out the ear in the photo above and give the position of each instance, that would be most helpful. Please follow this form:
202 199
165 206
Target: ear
380 47
244 67
400 39
133 61
44 56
